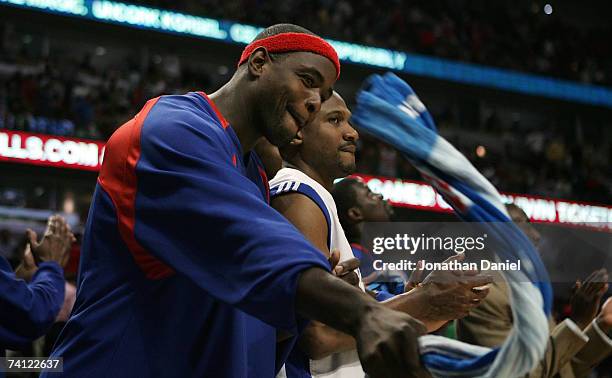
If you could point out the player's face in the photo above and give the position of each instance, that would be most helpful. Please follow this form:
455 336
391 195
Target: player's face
292 92
329 141
373 207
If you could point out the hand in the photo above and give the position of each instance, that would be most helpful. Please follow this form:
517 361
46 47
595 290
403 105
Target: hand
604 319
387 344
27 268
587 296
55 244
448 295
344 270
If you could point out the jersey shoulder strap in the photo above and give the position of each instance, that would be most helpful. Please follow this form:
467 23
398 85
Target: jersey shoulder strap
293 186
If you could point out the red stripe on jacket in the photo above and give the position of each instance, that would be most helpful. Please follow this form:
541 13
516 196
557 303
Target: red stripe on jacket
118 179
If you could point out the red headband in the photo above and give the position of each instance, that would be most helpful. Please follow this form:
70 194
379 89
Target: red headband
288 42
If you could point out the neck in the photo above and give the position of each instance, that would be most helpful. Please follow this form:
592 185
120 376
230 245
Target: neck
325 181
231 100
354 233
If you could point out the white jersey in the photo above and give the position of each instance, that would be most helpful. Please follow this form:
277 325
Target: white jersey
287 180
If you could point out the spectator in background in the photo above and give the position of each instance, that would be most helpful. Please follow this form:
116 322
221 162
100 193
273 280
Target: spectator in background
7 244
357 204
367 161
88 94
574 347
388 160
31 297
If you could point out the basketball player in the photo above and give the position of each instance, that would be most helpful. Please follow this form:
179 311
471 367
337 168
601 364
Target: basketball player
32 296
357 205
184 268
321 152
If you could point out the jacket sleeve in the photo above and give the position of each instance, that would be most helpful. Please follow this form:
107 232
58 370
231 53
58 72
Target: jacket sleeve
596 350
489 323
199 214
28 310
565 340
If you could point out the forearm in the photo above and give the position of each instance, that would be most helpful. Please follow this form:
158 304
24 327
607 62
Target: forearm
410 304
325 298
30 308
319 341
48 289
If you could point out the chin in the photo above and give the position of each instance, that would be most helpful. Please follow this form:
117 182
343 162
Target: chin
280 134
347 169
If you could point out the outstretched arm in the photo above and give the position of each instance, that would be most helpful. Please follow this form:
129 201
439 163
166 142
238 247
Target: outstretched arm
441 298
29 309
215 229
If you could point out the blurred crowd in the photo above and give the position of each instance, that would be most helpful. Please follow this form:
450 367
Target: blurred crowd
89 94
69 96
517 36
541 162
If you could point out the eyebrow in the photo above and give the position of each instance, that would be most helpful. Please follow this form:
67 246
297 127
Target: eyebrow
339 111
318 76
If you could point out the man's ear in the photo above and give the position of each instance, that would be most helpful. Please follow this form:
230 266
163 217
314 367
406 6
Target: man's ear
297 140
257 60
355 214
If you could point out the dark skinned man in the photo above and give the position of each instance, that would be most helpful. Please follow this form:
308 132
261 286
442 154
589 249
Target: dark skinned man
357 205
184 266
321 152
33 295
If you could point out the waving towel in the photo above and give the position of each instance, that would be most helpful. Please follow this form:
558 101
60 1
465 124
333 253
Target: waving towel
388 109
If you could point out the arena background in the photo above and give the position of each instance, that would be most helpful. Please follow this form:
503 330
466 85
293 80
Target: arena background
522 89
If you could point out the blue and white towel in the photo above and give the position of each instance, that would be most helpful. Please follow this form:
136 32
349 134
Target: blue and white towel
388 109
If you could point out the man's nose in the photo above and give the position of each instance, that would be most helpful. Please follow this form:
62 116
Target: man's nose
313 102
351 134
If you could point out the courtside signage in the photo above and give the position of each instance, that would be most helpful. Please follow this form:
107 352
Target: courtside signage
419 195
83 154
167 21
53 151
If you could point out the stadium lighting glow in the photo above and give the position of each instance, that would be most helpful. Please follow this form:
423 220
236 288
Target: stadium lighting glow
75 7
548 9
420 195
184 24
157 19
243 33
82 154
373 56
481 151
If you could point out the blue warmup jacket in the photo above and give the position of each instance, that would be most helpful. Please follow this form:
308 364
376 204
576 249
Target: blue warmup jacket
185 270
28 310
